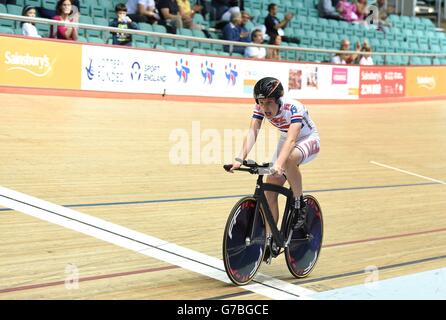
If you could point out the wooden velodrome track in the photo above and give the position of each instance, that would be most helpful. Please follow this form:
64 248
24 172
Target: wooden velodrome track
112 157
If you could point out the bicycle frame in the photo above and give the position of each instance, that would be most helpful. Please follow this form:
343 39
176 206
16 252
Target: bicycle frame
259 195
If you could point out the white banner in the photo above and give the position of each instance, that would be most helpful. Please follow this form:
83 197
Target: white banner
144 71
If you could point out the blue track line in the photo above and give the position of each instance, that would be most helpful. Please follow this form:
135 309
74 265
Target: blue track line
102 204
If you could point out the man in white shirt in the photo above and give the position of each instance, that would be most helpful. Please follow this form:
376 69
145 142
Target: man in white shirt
256 52
142 11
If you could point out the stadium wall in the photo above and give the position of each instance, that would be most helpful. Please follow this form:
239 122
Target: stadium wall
67 68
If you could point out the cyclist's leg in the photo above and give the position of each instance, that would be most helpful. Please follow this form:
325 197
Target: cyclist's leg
272 198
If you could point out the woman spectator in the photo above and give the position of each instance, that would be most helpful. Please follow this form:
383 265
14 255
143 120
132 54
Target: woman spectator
347 11
28 28
274 54
63 11
361 9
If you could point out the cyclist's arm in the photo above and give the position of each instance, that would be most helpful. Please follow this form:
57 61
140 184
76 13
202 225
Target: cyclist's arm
250 138
289 145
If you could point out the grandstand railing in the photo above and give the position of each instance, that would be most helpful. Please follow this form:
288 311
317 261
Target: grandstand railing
212 41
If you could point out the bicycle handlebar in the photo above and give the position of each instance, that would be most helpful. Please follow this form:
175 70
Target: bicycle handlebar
252 167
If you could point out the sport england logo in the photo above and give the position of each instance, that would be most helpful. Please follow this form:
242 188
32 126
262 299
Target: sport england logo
207 71
136 71
231 73
182 70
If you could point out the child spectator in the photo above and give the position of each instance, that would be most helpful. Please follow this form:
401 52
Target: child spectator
28 28
122 21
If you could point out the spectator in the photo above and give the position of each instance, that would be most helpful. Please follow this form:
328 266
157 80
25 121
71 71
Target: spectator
274 54
64 11
170 15
275 27
361 9
383 13
346 58
347 11
244 31
122 22
256 52
142 11
220 7
327 9
231 32
28 28
365 59
187 14
49 14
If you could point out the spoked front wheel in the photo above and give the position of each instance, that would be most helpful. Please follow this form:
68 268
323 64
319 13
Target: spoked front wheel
242 255
303 250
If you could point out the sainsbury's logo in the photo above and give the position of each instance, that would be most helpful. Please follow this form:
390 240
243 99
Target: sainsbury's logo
428 83
38 66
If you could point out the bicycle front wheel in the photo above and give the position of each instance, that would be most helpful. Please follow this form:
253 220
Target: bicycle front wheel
302 252
242 255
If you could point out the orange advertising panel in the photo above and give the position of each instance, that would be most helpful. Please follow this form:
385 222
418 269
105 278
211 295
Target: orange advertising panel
39 63
425 81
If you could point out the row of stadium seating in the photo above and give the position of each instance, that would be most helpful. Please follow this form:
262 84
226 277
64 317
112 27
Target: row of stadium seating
408 34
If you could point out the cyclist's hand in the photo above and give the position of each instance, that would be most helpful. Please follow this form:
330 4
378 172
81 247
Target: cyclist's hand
235 165
277 170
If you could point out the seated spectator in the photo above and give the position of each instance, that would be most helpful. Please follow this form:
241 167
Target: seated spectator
327 9
256 52
187 14
365 58
63 11
383 13
274 54
170 15
49 13
346 58
233 8
361 9
244 31
275 27
231 32
142 11
347 10
28 28
122 22
220 7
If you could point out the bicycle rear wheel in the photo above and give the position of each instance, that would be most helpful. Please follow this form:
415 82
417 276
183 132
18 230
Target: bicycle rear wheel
243 256
301 254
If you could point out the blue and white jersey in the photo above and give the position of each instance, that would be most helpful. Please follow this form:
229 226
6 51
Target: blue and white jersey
290 111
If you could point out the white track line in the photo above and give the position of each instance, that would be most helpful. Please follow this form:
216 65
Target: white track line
144 244
407 172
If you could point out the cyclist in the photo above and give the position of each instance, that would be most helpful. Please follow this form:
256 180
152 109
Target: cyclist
299 143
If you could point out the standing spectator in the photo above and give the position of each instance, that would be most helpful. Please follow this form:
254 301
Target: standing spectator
170 15
28 28
142 11
274 54
274 26
63 11
231 32
122 22
327 9
256 52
